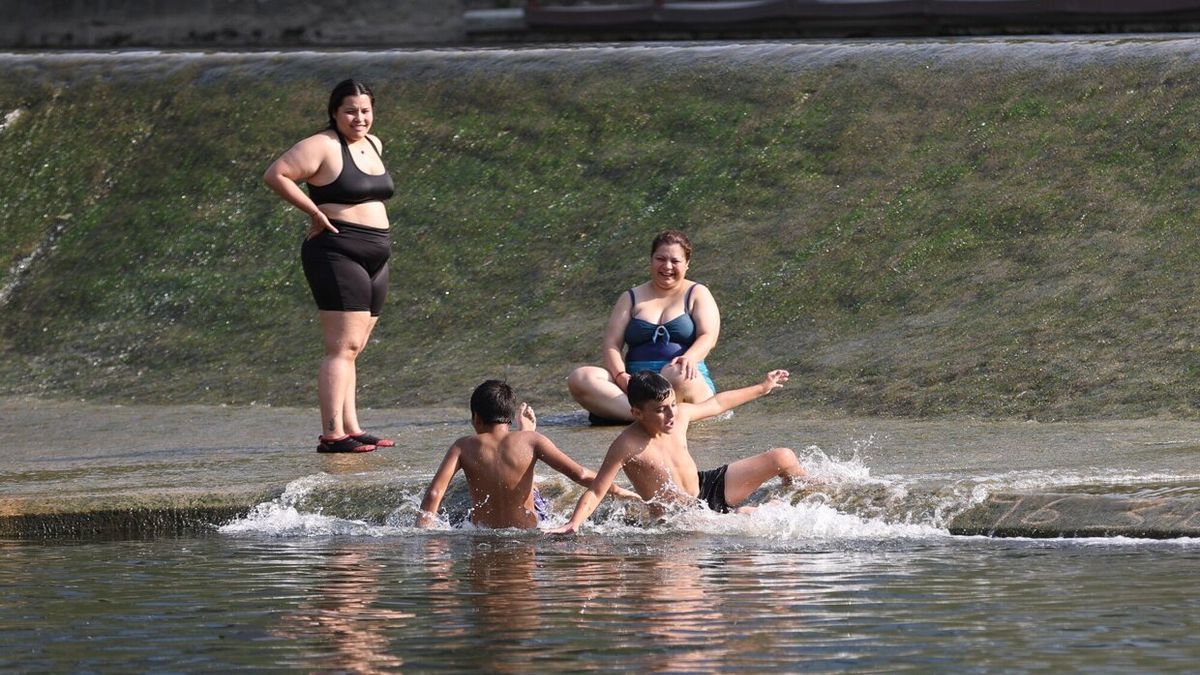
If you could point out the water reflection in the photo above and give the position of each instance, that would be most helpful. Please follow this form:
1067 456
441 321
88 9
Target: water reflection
470 601
496 578
507 602
689 610
344 617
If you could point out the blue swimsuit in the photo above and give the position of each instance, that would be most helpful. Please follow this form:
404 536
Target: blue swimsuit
653 345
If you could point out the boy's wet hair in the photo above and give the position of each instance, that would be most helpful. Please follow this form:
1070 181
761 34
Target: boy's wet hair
646 386
495 402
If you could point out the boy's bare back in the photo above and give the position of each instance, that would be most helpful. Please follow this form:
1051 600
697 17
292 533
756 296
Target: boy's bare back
499 464
500 473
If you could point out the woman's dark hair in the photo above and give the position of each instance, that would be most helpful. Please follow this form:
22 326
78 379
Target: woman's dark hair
646 386
668 237
495 402
341 91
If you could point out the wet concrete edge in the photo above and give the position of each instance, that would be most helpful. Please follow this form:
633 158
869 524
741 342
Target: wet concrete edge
1080 515
129 515
1000 515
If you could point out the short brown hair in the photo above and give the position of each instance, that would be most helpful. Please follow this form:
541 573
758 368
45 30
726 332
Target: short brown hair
646 386
668 237
494 401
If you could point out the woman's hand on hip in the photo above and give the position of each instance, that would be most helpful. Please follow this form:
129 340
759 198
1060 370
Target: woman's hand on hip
320 223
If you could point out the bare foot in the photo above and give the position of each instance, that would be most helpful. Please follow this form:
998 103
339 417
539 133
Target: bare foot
526 419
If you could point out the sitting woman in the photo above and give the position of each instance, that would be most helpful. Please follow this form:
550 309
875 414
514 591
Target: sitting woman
669 324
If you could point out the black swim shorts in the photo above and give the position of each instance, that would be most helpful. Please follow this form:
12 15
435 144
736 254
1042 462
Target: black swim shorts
348 271
712 488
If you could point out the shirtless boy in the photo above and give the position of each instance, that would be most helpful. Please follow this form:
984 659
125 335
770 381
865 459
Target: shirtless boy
654 454
499 463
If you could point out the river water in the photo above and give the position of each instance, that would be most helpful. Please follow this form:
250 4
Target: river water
637 602
855 574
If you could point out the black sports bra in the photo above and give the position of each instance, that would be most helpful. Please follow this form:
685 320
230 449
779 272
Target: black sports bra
352 186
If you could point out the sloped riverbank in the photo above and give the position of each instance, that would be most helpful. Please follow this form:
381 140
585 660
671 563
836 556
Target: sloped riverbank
995 228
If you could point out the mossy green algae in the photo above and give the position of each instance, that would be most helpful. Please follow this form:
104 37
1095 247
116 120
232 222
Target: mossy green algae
937 228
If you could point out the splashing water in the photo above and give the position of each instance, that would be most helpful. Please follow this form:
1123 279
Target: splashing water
842 501
287 516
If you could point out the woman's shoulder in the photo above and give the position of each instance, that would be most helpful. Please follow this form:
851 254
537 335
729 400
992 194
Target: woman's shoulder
699 292
311 153
631 295
323 140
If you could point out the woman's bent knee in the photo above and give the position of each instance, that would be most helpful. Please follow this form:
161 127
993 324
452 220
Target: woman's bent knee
577 379
584 380
789 465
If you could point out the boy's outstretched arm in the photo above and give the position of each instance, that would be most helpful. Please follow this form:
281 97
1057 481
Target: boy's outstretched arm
561 462
591 497
437 488
727 400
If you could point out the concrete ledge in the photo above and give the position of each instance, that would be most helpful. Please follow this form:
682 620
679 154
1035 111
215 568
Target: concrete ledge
1080 515
159 515
125 515
134 523
373 499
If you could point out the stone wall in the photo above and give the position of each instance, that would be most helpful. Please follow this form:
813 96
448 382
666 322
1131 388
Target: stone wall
74 24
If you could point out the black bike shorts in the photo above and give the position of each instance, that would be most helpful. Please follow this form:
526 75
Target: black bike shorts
348 271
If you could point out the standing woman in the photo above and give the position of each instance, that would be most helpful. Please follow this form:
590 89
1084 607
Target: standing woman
345 249
668 325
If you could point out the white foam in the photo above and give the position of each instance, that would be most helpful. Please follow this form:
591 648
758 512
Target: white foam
283 517
778 520
828 469
281 521
845 503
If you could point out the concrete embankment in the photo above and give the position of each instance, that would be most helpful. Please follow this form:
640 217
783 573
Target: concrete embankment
1001 229
356 24
75 470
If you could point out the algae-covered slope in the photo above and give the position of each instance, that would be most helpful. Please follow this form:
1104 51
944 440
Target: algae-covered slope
979 227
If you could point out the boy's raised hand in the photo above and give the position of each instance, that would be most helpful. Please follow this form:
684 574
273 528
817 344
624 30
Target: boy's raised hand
775 380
